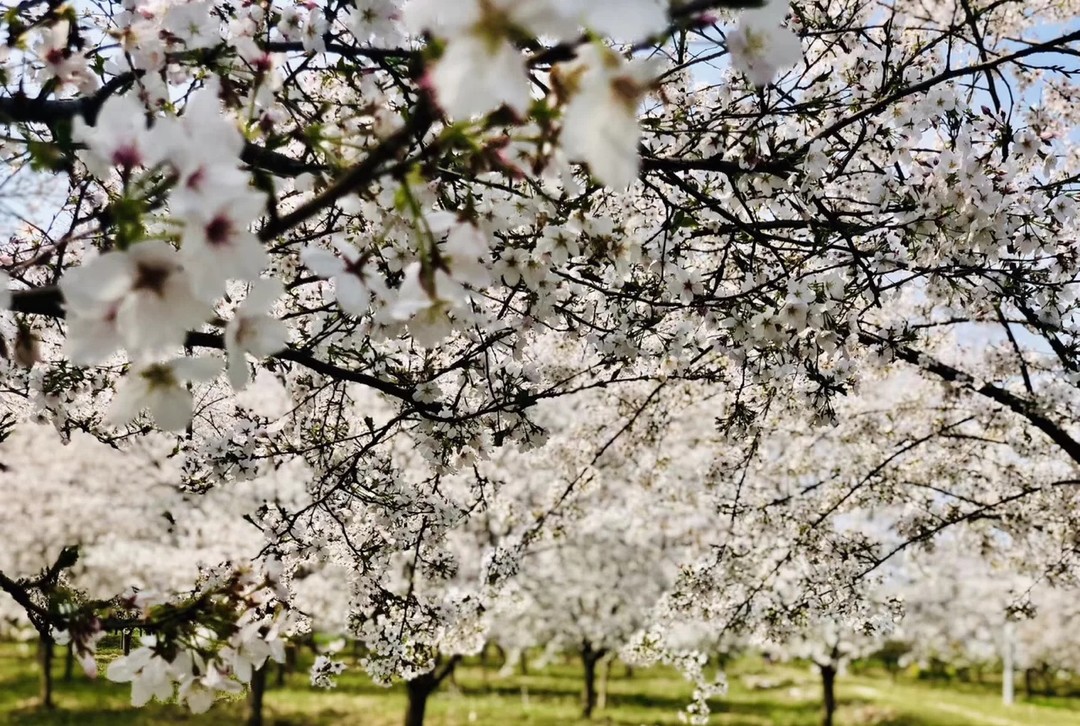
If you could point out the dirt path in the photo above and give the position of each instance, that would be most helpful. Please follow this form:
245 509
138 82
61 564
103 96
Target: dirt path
952 708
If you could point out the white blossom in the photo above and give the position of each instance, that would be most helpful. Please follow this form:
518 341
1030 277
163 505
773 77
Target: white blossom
353 277
142 297
160 387
252 330
119 138
600 124
760 45
218 245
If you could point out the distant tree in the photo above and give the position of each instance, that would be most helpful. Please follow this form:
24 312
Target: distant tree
314 235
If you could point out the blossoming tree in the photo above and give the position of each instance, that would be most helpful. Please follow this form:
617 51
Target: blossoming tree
109 523
594 582
406 223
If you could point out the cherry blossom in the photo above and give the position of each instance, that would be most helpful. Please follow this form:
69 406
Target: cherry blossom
119 139
353 279
480 68
142 297
217 244
532 251
323 670
204 145
193 24
627 21
600 125
761 45
160 388
427 294
252 330
147 672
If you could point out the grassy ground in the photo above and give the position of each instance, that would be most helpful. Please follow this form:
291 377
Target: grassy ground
776 696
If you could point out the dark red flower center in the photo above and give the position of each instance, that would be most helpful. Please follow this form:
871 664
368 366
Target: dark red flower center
219 231
152 278
127 156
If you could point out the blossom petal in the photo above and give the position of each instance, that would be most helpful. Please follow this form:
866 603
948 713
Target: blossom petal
239 374
171 407
262 295
322 262
196 369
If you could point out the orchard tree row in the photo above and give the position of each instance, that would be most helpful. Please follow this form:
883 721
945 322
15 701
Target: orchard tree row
666 322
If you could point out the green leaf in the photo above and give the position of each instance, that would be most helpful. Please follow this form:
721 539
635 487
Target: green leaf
45 156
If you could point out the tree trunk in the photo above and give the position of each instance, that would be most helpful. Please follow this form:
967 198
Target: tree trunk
1029 682
500 653
828 683
605 676
256 694
1047 673
589 659
125 641
45 659
1008 687
291 653
721 659
590 686
484 665
523 662
418 689
939 671
69 662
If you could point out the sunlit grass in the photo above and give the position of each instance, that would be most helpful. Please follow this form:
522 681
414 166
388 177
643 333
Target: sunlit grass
550 697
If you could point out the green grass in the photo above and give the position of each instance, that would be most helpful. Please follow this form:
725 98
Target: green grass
550 697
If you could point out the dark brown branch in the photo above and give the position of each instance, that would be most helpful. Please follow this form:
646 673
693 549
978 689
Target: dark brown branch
364 172
213 340
48 302
1066 354
21 108
1050 46
39 617
346 51
1016 348
679 15
716 163
51 113
443 670
275 162
1017 404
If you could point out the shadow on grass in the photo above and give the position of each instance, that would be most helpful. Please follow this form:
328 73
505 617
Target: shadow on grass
80 702
34 716
627 708
655 699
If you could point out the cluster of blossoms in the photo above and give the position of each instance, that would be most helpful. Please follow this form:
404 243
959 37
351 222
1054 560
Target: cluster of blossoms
146 295
182 205
424 219
141 535
197 681
323 671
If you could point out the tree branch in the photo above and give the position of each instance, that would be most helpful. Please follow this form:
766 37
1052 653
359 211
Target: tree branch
48 302
1017 404
356 177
